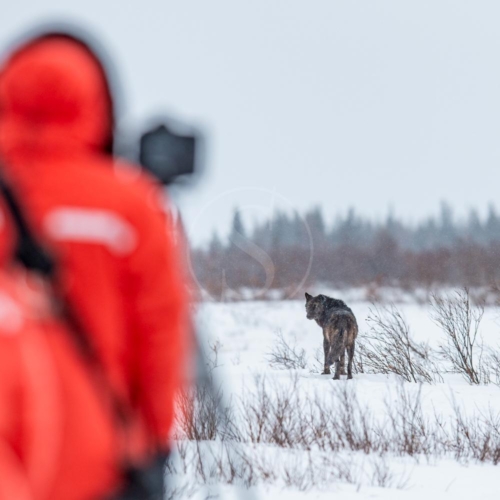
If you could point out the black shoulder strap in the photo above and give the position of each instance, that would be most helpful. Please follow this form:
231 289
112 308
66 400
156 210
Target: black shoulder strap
29 252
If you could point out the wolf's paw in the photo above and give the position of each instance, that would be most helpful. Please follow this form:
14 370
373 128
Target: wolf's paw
326 372
336 377
349 377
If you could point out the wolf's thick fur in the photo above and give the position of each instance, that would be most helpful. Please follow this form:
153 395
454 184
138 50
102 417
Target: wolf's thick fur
340 330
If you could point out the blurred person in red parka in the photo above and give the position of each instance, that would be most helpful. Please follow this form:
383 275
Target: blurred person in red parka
57 434
119 268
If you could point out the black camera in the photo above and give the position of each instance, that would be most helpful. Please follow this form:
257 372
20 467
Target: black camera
169 155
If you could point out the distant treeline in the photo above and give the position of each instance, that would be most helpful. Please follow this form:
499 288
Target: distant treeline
354 251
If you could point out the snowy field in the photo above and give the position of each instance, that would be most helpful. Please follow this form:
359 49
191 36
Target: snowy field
241 337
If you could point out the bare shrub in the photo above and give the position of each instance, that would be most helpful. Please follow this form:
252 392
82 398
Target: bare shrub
270 415
285 356
301 440
460 321
351 424
277 433
412 432
359 355
389 348
492 364
206 465
212 362
476 437
202 412
317 363
199 415
339 422
384 477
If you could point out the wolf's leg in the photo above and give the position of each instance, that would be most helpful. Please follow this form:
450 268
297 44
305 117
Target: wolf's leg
337 370
326 349
350 353
342 363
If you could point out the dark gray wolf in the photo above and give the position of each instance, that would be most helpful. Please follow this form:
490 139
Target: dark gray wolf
340 330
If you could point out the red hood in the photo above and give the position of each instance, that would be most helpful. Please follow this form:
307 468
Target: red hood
54 99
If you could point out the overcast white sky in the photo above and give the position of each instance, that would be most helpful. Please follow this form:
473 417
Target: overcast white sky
372 104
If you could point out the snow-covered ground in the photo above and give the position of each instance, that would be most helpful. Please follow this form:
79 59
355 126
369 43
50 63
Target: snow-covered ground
244 333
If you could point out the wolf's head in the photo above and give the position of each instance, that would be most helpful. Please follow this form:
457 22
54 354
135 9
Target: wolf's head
315 306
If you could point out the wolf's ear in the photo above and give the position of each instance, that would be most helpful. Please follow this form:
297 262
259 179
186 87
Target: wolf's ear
308 297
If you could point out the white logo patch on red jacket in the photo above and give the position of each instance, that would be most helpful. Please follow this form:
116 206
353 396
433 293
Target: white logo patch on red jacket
88 225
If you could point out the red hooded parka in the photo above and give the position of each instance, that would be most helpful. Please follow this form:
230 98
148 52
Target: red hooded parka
57 435
120 268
